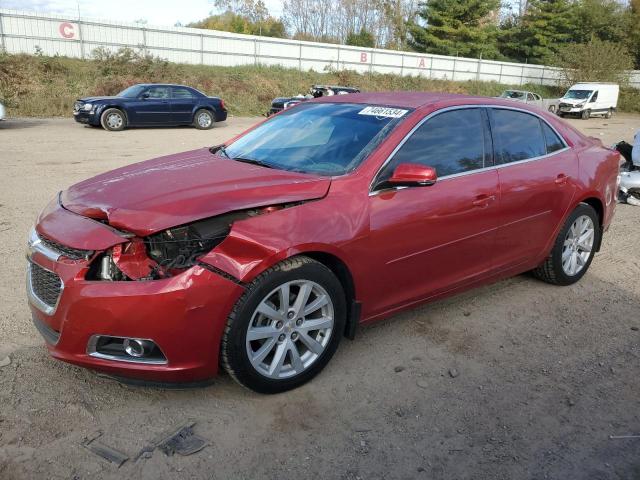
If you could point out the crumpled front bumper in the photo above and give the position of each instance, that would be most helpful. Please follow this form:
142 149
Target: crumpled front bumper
184 315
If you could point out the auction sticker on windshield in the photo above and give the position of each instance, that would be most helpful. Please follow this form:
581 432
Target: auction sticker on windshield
383 112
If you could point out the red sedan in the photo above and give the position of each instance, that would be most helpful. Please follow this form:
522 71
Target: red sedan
260 255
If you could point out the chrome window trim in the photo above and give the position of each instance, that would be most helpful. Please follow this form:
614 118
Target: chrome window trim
470 172
35 300
91 351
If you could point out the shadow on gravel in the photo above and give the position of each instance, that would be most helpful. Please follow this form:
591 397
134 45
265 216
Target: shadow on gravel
16 124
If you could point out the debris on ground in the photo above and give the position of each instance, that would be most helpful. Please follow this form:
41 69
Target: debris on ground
5 361
181 440
621 437
398 369
453 372
105 451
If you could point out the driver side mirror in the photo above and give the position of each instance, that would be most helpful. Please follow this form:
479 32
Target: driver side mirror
413 175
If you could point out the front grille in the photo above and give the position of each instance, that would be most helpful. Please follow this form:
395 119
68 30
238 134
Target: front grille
69 252
277 105
45 285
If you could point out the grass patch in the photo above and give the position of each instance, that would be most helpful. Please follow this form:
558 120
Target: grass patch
41 86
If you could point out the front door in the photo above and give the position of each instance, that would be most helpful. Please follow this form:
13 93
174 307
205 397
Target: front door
431 239
153 107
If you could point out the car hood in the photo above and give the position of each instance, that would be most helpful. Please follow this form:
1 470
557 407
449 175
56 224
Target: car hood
97 99
146 197
572 101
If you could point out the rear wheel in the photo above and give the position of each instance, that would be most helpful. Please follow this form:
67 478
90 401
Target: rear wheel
286 326
203 120
609 113
574 248
113 119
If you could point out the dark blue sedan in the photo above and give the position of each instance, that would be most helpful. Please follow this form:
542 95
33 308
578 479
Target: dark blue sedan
151 104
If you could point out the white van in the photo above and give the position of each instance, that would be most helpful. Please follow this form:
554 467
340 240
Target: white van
589 99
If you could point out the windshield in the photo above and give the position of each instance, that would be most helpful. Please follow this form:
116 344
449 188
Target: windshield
132 92
578 94
512 94
319 138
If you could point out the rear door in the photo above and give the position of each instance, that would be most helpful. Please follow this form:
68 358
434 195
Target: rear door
537 172
427 240
183 103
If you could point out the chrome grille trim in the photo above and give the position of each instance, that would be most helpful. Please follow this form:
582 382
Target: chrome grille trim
43 283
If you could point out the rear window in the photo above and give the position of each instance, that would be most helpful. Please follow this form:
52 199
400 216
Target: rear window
518 134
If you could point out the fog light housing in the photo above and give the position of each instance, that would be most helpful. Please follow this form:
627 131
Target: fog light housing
125 349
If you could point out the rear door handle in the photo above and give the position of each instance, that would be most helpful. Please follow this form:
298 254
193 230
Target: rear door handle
483 200
561 179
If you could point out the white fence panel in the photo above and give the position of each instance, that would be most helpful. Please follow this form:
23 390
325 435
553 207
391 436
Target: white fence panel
24 32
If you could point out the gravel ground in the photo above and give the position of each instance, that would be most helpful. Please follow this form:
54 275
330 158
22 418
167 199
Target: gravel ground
517 380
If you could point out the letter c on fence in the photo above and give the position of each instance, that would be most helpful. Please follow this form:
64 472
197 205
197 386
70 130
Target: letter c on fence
66 30
363 57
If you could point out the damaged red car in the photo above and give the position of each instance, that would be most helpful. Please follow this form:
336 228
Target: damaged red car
260 255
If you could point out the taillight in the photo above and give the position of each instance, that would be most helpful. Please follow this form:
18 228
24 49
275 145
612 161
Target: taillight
222 104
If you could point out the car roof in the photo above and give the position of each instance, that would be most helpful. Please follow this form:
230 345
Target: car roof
415 99
164 85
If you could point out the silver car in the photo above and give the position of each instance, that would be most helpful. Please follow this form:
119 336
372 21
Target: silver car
530 98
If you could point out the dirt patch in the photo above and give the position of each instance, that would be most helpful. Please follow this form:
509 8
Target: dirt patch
543 375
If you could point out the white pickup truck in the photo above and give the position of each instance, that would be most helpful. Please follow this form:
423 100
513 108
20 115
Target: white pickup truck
531 98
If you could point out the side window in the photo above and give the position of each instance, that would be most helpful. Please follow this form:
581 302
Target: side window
594 98
451 142
181 93
158 92
518 136
553 141
530 97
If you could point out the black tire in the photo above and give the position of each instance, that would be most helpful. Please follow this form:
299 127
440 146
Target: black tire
552 108
109 122
233 351
551 270
586 115
198 119
609 114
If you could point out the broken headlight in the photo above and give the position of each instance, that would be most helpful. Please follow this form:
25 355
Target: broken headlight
167 252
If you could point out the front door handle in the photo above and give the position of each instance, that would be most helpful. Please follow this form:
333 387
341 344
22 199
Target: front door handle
483 200
561 179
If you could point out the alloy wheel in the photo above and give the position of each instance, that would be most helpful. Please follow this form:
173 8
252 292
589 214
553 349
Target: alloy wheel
204 120
578 244
290 329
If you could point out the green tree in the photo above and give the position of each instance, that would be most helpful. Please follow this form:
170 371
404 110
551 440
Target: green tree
595 61
456 27
237 23
538 34
633 37
361 39
601 19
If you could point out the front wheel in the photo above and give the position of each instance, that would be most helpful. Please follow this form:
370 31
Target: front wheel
286 326
203 120
586 114
552 108
573 249
113 120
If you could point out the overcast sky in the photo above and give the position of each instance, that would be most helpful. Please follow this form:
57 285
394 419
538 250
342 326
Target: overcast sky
156 12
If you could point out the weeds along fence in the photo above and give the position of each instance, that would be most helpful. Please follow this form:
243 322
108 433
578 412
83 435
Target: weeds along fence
52 34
